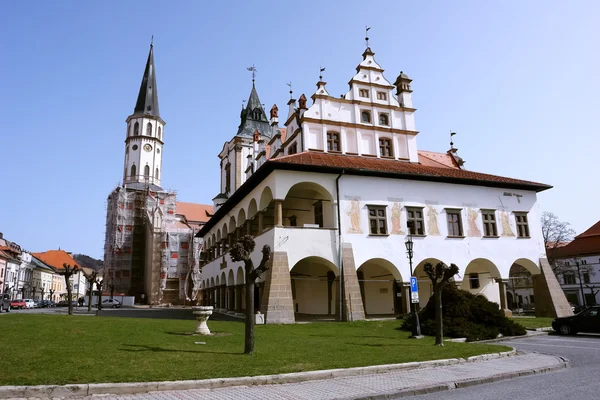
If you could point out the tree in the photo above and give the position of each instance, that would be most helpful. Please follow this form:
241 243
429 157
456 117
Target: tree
91 279
242 251
556 233
68 271
439 276
98 283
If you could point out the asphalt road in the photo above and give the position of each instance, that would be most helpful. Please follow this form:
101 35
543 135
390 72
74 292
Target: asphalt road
581 381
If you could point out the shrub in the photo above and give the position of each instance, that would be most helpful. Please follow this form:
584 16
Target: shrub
466 315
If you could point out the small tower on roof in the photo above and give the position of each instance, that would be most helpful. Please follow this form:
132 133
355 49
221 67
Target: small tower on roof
403 90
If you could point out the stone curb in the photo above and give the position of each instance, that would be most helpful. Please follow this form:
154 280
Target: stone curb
504 338
47 391
416 391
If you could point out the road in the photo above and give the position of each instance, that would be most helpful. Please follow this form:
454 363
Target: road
581 382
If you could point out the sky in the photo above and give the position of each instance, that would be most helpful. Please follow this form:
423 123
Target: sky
517 80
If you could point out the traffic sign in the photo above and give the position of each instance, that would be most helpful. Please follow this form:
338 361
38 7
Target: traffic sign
414 297
414 287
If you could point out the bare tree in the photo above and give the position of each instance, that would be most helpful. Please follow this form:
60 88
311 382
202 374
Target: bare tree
439 276
99 283
91 279
68 271
242 251
556 233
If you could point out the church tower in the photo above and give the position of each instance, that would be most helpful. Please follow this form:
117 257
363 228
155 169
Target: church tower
144 138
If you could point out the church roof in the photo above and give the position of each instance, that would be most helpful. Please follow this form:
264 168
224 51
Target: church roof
147 101
56 258
253 117
194 212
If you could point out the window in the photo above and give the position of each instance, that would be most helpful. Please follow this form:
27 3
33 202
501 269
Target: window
227 178
133 171
149 129
586 277
454 223
293 220
385 147
318 206
147 171
377 220
384 119
256 114
363 93
365 117
126 149
129 129
293 149
522 226
381 96
159 133
333 141
156 176
567 264
583 262
489 223
415 220
136 129
569 278
474 281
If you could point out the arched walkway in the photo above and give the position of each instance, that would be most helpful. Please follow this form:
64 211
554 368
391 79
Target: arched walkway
240 304
520 292
223 291
314 288
308 203
425 286
230 291
380 287
481 278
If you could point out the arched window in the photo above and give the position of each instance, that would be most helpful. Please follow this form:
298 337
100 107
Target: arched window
149 129
136 129
384 119
129 129
159 133
133 171
147 171
365 117
156 176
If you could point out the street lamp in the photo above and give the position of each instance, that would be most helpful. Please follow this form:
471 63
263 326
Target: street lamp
580 283
416 326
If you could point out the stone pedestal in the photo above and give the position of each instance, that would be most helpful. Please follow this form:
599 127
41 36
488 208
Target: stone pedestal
202 313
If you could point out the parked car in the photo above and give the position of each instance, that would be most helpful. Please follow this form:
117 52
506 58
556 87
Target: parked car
65 303
5 304
36 304
18 304
112 303
587 320
29 303
47 304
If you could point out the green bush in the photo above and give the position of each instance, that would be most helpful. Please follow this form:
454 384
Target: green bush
466 315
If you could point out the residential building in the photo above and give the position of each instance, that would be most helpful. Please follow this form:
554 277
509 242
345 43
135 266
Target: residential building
42 279
338 190
56 259
577 264
12 257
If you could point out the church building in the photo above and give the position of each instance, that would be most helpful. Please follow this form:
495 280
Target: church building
149 246
338 188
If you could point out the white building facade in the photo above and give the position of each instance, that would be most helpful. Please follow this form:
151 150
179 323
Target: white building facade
332 194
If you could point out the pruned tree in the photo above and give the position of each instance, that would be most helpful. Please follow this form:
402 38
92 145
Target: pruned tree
91 279
99 283
68 271
242 251
439 276
556 234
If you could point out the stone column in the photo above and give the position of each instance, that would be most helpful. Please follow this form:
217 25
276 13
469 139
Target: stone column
249 227
260 222
277 303
353 305
279 213
502 288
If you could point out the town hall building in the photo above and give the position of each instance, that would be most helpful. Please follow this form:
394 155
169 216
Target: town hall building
332 187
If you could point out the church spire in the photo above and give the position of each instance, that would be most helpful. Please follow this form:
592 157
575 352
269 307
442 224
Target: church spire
147 101
253 117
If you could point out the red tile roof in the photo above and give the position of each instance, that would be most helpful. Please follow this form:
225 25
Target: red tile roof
56 258
402 169
194 212
594 230
586 243
433 159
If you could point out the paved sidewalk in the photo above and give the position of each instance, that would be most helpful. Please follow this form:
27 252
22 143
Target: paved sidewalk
387 385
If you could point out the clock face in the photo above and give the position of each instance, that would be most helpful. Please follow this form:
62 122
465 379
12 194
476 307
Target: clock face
147 147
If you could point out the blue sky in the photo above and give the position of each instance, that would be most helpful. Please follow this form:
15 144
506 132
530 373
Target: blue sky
517 80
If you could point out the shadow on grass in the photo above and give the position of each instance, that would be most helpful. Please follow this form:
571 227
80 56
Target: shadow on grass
212 334
382 345
156 349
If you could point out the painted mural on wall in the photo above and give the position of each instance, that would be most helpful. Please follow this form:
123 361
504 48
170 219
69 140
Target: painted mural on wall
354 214
506 228
473 229
432 224
397 219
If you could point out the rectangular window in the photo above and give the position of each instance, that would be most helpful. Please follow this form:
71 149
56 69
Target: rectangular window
333 141
586 277
363 93
377 220
414 216
522 225
385 147
227 178
381 96
569 278
489 223
365 117
474 281
318 206
293 149
583 262
453 217
384 119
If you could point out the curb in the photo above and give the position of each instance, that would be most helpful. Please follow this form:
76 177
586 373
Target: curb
465 383
88 389
504 338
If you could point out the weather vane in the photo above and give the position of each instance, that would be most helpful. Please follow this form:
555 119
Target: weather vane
367 34
451 143
152 41
291 92
321 69
253 69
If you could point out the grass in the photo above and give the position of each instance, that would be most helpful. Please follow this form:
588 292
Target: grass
61 349
533 322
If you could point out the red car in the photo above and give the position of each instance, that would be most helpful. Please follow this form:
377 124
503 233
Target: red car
20 304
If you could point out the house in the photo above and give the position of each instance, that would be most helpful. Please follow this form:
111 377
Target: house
338 191
56 259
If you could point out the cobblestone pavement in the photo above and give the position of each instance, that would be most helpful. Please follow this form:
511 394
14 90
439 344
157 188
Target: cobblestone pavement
357 387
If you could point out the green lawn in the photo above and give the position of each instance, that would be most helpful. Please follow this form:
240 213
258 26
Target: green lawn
534 322
60 349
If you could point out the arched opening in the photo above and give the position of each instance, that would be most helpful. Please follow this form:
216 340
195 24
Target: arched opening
266 211
520 296
481 278
225 239
217 293
159 133
231 301
136 129
241 221
223 293
133 171
314 288
240 302
129 129
381 288
149 129
218 245
146 172
308 204
234 231
253 217
156 176
425 286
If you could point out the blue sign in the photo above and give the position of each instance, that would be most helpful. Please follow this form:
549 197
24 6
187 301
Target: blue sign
414 287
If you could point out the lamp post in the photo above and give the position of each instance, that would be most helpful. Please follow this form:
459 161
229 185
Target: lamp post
416 327
580 283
